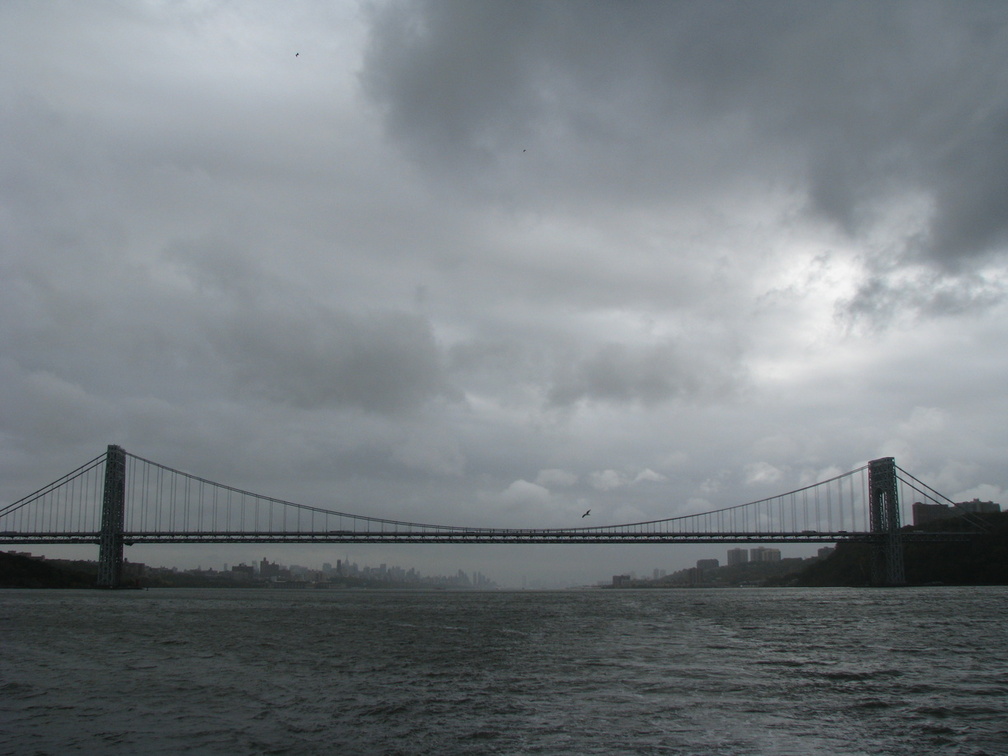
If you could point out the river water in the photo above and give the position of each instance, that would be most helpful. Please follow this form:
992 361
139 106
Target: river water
746 671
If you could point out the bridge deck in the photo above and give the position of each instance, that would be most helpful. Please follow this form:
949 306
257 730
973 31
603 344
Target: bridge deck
480 536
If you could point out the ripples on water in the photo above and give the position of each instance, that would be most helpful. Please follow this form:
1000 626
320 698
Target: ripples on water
754 671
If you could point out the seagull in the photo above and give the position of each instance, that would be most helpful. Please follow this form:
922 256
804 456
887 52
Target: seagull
586 514
297 55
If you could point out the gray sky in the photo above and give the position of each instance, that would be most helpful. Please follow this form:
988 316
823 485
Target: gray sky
495 263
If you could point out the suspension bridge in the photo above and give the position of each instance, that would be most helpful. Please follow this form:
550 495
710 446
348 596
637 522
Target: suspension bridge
119 499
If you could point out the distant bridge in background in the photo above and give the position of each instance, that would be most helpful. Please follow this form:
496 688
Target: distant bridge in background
119 499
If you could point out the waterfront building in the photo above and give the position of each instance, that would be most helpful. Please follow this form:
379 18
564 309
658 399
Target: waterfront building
764 554
737 556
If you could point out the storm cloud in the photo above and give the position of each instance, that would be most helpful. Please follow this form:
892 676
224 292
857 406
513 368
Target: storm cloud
861 110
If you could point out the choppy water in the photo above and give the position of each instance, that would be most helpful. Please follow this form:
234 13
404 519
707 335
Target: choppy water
757 671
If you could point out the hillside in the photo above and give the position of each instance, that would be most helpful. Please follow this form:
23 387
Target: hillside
983 560
17 571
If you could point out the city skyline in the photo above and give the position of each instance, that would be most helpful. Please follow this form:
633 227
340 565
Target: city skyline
352 568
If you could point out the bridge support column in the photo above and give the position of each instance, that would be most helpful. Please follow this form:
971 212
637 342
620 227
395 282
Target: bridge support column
887 550
110 540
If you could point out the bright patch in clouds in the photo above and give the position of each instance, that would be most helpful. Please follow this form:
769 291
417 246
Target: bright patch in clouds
762 473
523 492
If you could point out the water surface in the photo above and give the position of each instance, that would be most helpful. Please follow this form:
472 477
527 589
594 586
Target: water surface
755 671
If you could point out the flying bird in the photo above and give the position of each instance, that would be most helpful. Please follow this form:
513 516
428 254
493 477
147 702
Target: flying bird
586 514
297 55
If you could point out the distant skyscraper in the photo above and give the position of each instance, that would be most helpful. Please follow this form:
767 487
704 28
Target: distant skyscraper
737 556
925 513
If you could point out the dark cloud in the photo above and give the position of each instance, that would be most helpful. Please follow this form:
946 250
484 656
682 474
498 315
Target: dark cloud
616 373
971 189
882 298
858 103
383 362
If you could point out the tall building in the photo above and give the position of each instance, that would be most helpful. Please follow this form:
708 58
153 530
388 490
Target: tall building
703 565
925 513
737 556
243 571
763 554
268 569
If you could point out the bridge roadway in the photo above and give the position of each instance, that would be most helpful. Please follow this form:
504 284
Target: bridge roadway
475 536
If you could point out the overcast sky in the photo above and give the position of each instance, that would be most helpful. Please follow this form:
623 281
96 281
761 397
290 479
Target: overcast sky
494 263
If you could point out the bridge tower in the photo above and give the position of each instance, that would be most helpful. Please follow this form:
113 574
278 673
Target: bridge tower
887 550
110 539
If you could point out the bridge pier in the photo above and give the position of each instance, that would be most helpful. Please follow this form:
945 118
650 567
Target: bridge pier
110 540
887 549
